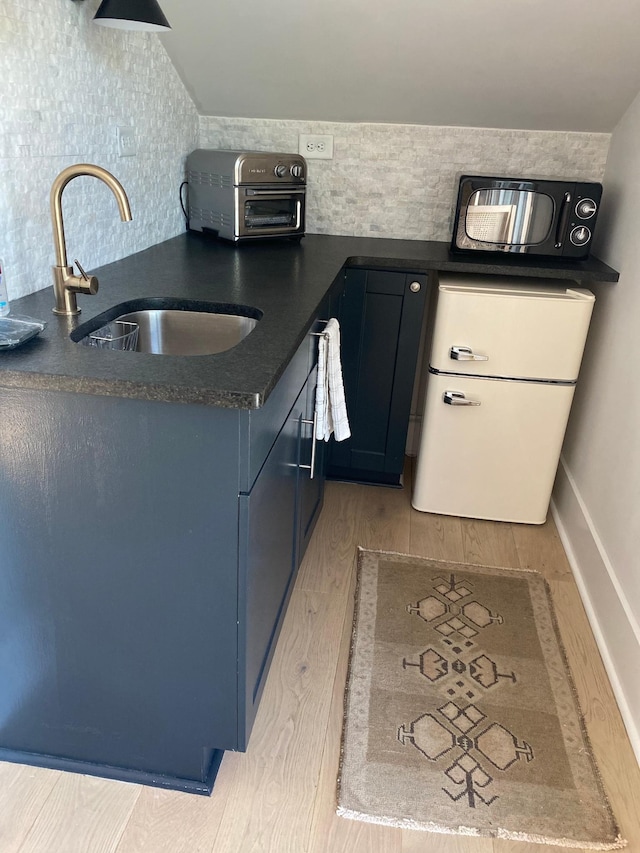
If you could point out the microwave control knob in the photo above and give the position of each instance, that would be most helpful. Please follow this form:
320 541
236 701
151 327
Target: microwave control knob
580 235
586 208
296 170
280 170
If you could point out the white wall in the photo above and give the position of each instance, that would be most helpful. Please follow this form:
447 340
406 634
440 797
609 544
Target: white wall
65 85
597 494
399 180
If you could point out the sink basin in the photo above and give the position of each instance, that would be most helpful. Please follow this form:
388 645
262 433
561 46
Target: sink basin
171 332
179 327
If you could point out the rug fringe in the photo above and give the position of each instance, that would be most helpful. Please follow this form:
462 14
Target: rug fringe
472 832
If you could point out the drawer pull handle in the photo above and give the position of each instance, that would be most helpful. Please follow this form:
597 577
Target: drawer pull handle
457 398
466 354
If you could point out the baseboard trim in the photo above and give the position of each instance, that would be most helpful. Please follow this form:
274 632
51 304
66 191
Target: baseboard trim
615 629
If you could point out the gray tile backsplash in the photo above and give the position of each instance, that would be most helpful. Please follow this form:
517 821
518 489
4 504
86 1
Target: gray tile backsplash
389 180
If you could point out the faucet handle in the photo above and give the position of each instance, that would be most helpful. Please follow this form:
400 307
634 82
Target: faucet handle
88 283
82 272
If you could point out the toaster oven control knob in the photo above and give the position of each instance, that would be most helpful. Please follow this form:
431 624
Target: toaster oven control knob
580 235
280 170
296 170
586 208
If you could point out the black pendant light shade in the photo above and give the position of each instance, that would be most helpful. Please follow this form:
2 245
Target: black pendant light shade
143 15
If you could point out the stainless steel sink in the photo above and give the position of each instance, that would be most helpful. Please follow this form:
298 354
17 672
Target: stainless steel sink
171 332
168 326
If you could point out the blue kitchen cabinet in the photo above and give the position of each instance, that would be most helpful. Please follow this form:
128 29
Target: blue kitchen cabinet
148 553
380 314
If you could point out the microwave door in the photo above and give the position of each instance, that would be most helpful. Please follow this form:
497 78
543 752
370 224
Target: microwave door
511 220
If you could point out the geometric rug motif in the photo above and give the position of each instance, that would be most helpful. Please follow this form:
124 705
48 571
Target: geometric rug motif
460 710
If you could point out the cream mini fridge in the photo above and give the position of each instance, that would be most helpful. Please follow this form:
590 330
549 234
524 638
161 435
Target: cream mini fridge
504 361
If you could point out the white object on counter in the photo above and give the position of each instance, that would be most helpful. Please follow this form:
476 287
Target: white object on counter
4 298
331 409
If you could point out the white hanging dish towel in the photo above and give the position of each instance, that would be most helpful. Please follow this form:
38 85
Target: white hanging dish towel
331 410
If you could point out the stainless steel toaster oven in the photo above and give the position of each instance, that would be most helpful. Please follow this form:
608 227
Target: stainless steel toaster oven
246 195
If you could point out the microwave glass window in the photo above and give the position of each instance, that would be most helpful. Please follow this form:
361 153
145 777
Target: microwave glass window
267 213
512 217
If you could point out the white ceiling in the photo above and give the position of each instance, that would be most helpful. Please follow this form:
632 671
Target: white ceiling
535 64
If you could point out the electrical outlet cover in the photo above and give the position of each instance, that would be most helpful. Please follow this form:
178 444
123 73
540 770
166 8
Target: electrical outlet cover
126 141
316 146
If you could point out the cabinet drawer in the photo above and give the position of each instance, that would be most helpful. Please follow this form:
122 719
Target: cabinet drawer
261 426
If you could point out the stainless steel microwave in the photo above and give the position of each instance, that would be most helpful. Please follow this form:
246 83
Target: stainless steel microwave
551 218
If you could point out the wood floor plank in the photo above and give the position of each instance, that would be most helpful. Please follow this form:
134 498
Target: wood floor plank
489 543
436 536
82 814
328 831
173 822
329 560
539 548
271 798
23 793
616 761
383 519
429 842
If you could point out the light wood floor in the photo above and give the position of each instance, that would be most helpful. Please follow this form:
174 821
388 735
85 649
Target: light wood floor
279 797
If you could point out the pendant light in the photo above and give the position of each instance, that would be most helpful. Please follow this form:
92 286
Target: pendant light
141 15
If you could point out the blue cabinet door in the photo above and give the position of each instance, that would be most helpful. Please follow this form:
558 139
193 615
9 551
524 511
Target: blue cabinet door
267 553
381 319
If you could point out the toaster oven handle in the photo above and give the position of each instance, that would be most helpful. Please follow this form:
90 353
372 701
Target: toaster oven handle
562 220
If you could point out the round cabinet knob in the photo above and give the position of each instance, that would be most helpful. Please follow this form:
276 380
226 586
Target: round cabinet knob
586 208
280 170
414 287
296 170
580 235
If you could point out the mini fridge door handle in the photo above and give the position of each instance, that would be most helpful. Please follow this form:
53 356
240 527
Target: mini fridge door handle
466 354
457 398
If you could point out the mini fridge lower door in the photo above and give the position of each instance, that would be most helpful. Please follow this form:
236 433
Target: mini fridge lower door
496 459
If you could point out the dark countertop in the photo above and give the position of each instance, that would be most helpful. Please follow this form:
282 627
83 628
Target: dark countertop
285 280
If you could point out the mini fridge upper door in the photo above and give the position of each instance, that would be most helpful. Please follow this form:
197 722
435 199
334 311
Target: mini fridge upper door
522 329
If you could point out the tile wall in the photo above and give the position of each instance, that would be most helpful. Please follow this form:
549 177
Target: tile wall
390 180
66 85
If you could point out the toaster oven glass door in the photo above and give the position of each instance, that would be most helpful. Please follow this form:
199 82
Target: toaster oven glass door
262 211
509 217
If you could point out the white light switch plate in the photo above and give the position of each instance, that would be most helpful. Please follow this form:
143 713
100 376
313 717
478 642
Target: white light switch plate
126 141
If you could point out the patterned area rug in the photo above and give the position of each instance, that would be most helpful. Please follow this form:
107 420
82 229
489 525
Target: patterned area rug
460 711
